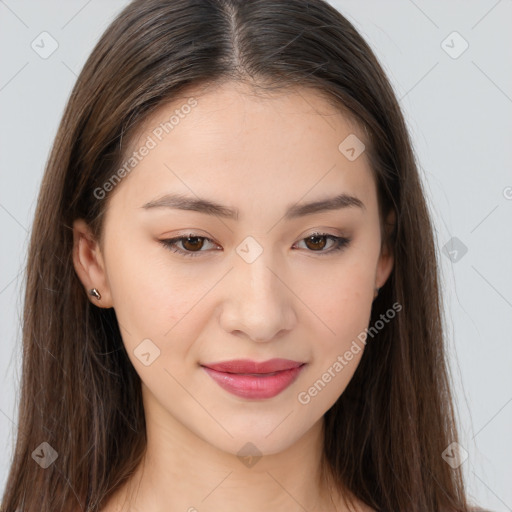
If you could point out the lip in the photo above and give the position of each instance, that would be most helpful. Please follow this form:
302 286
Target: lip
252 379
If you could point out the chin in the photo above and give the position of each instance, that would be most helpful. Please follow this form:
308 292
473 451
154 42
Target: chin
256 441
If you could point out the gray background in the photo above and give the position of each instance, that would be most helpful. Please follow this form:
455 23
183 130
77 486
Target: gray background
459 113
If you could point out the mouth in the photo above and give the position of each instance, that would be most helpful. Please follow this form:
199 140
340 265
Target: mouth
254 380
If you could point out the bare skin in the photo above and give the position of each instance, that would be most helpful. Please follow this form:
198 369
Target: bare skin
297 300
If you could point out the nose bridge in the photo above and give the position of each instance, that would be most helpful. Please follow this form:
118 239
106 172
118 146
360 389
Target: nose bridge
259 281
253 265
259 304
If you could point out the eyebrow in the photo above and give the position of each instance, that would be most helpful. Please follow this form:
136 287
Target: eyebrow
180 202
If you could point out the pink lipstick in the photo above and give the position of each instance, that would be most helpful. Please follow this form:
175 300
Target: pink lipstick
251 379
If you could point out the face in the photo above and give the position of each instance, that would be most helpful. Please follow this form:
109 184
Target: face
263 277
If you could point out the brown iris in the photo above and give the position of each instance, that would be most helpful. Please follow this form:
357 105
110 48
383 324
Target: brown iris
316 245
196 244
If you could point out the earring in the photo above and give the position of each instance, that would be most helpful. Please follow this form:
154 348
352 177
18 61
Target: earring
95 293
377 290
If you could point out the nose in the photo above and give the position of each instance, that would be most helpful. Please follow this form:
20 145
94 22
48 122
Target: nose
258 303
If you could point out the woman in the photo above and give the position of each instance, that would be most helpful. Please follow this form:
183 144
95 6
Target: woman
185 347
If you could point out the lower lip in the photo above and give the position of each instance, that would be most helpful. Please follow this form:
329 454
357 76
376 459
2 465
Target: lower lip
251 386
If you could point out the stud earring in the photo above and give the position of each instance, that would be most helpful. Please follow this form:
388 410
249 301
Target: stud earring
95 293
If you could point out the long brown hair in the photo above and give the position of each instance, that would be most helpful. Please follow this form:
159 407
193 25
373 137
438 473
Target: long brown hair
385 435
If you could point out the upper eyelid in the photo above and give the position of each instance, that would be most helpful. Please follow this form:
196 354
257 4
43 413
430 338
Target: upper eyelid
332 231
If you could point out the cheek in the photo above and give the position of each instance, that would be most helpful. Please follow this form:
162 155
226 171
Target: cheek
342 306
340 299
151 299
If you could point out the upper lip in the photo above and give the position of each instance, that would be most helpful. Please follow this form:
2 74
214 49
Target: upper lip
249 366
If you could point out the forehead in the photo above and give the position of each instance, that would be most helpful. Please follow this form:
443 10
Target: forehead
242 145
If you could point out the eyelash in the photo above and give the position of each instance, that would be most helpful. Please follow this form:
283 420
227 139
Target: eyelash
340 243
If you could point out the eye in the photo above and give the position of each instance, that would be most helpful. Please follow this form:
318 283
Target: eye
192 243
318 242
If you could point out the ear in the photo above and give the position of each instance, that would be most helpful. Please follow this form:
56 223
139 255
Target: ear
386 258
89 264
